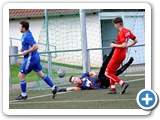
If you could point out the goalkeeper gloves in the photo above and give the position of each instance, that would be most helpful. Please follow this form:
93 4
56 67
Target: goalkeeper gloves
62 90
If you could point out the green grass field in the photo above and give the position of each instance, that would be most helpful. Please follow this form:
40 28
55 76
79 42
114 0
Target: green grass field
87 99
32 76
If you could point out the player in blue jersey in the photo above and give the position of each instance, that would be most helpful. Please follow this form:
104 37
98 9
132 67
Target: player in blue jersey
90 80
31 61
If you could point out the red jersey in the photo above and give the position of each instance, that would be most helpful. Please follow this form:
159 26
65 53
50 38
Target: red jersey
123 36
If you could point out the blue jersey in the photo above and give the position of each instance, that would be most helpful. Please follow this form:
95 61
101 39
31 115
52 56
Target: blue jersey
88 82
27 42
32 59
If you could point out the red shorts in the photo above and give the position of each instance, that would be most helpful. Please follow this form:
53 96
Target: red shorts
114 64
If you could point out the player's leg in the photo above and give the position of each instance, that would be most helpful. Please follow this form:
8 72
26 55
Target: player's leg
112 87
23 85
118 72
110 73
105 63
24 70
108 58
46 78
105 83
114 79
124 67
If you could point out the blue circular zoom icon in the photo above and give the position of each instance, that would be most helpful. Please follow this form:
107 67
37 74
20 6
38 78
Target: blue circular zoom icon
147 99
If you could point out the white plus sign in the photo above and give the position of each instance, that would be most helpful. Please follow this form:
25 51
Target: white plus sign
147 99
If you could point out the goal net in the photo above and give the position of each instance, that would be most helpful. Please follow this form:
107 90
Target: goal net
61 35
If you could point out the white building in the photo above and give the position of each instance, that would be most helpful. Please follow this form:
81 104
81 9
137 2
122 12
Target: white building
65 32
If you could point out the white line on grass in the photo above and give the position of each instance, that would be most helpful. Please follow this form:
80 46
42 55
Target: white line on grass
63 93
136 80
107 100
38 96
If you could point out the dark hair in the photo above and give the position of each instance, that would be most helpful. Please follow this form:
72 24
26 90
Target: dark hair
70 78
24 24
118 20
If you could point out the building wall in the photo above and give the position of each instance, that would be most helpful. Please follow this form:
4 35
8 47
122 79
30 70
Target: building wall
35 27
64 34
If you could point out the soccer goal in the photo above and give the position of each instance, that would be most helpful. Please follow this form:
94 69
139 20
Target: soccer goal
62 36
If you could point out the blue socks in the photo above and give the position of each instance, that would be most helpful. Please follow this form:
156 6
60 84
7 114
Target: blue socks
48 80
23 85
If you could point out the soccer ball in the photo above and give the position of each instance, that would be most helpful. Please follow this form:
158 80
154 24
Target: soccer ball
61 73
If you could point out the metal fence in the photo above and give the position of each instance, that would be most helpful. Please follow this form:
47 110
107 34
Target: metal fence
50 52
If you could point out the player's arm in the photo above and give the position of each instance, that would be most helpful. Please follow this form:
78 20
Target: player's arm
21 50
132 43
124 67
33 48
30 40
73 89
123 39
123 45
69 89
133 37
88 74
92 73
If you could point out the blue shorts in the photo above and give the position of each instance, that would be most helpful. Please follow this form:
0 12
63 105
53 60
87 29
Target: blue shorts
30 64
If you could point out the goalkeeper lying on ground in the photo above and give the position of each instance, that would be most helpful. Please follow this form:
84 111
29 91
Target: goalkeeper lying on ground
90 80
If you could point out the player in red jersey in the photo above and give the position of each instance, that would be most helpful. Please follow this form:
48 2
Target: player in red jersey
119 55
